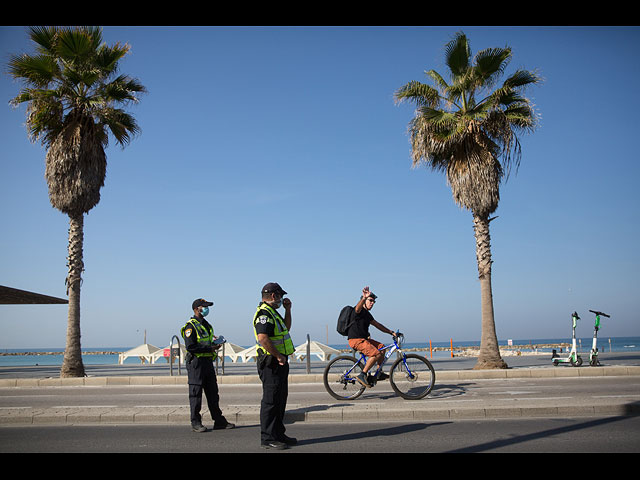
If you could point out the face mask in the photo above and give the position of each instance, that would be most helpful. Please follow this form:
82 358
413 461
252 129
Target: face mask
205 311
277 304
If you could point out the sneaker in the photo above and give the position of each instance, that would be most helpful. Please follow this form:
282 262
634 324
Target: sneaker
198 428
289 440
383 376
363 380
274 444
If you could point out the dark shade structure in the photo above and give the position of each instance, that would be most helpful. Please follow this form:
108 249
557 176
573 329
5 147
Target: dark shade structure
13 296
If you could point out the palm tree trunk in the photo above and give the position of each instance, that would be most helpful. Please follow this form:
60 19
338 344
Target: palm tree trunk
489 356
72 365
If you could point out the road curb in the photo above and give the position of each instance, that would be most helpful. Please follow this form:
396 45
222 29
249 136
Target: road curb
307 414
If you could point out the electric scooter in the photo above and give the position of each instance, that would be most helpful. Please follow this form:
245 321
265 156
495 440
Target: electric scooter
574 359
593 356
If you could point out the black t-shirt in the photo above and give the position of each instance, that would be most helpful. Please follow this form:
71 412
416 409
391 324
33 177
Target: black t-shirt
360 327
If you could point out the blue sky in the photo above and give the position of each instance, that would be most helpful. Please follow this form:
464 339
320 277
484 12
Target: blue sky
278 154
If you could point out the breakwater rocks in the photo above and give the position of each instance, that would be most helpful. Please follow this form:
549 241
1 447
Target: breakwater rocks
511 350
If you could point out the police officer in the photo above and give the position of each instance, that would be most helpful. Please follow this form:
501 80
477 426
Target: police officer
274 346
201 352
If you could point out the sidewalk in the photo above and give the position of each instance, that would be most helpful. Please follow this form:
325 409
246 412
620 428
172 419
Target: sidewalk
330 410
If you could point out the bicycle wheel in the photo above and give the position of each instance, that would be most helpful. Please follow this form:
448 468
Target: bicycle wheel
412 377
340 378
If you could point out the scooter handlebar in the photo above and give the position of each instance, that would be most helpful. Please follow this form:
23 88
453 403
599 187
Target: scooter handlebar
600 313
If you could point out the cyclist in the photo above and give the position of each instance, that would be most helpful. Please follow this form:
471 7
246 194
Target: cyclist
359 338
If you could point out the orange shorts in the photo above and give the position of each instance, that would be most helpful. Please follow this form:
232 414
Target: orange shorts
367 346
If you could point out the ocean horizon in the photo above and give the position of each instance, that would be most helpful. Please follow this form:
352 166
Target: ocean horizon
109 355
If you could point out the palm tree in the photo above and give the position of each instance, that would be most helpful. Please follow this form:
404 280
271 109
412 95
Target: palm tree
469 131
72 104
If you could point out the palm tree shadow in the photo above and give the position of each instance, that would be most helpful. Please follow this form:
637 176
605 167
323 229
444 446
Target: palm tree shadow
632 409
299 414
382 432
446 390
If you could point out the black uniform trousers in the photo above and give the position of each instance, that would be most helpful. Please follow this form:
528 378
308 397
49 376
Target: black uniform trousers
275 389
201 376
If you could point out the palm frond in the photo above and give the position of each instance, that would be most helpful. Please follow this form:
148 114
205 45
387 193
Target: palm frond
122 89
44 38
489 64
122 125
418 93
107 58
522 78
78 45
458 54
38 71
437 79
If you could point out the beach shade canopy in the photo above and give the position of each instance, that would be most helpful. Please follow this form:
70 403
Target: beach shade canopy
13 296
248 354
323 352
232 351
144 352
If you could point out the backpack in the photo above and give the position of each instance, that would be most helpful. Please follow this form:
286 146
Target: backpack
345 320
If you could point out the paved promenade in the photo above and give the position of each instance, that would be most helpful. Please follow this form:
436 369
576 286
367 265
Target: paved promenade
451 373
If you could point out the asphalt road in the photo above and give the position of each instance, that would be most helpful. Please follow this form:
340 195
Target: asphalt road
566 391
557 435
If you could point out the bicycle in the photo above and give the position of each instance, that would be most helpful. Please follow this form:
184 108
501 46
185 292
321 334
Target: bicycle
411 376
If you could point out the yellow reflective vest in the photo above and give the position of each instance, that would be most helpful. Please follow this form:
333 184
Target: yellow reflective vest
281 338
203 336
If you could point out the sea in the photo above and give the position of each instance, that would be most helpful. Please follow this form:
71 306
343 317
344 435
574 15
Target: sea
109 355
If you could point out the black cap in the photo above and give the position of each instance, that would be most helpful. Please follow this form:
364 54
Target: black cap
200 302
273 288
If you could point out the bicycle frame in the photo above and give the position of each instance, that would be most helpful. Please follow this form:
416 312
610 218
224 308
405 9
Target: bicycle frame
393 347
